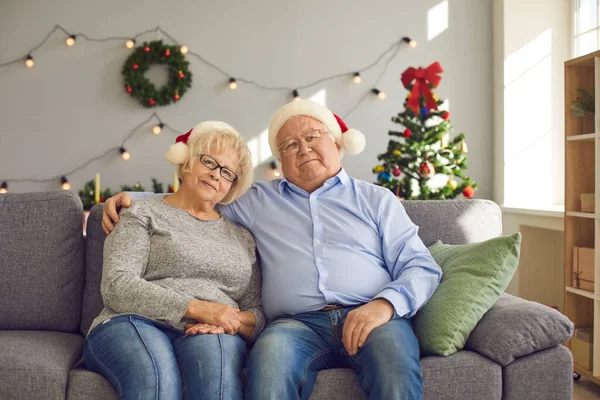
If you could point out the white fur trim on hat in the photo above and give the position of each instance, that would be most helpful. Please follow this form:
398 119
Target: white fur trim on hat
353 144
179 152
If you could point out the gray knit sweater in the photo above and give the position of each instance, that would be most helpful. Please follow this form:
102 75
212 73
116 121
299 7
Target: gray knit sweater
160 257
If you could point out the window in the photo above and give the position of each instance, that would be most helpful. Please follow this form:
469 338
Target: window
586 30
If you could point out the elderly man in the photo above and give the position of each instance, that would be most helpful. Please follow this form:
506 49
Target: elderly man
343 267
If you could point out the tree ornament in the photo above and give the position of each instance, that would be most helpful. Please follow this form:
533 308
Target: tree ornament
426 170
463 147
407 133
469 192
147 49
384 176
135 66
446 115
151 101
397 153
452 184
176 96
396 171
424 111
167 52
129 89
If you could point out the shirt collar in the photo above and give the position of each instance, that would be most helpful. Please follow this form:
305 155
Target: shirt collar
341 177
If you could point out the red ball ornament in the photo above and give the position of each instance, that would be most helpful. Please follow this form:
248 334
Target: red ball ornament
445 115
468 192
151 101
396 171
407 133
167 52
427 170
129 89
135 66
181 75
147 49
176 96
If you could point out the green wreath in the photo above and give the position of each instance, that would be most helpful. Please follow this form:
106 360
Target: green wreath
156 52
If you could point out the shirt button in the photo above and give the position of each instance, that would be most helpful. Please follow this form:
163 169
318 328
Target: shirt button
322 287
317 241
318 260
316 217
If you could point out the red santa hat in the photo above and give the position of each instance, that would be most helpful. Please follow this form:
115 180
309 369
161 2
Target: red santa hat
351 141
179 152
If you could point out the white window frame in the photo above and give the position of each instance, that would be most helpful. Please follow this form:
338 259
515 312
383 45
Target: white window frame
577 34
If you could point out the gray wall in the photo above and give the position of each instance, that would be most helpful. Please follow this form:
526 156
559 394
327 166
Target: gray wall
71 106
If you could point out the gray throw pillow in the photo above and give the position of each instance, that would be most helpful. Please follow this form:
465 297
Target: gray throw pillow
514 327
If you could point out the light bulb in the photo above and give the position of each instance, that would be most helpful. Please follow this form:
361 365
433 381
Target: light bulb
411 43
156 129
71 41
357 79
29 62
130 44
65 183
124 154
183 49
378 93
232 84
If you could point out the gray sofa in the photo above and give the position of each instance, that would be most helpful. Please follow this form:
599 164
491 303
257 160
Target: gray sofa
49 294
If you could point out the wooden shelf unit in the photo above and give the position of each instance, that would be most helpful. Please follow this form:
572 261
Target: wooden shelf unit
582 175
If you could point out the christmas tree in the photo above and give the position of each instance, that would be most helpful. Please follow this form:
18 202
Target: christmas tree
421 162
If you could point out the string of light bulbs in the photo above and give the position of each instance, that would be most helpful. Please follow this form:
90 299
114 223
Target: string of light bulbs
130 42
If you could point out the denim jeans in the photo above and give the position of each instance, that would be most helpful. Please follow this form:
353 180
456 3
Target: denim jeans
287 357
148 360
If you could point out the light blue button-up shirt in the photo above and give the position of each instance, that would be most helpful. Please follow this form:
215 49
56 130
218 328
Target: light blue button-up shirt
348 242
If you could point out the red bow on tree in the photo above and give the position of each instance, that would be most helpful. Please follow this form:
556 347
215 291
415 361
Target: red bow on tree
422 78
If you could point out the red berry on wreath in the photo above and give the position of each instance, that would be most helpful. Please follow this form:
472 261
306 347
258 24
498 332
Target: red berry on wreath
167 52
135 66
469 192
147 49
407 133
445 115
151 101
129 89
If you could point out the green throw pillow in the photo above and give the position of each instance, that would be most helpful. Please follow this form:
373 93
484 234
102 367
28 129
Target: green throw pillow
475 276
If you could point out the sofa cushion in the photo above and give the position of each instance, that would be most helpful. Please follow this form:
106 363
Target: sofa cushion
455 221
92 299
475 276
41 261
36 364
514 327
462 375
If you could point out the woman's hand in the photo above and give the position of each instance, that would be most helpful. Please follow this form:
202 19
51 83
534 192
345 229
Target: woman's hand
200 328
217 314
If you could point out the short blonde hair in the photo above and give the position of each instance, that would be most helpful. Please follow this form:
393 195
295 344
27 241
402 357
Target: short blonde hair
221 141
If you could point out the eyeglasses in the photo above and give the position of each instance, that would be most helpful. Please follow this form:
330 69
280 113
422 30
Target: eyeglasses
212 164
291 146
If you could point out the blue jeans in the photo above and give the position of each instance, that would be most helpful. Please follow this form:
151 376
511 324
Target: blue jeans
289 354
148 360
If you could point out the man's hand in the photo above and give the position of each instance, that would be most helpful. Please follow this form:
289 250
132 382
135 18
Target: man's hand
200 328
360 323
217 314
110 216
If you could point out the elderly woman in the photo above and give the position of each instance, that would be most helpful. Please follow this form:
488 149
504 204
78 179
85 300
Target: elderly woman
180 282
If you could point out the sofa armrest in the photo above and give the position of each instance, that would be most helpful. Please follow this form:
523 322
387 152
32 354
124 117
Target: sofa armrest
514 327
